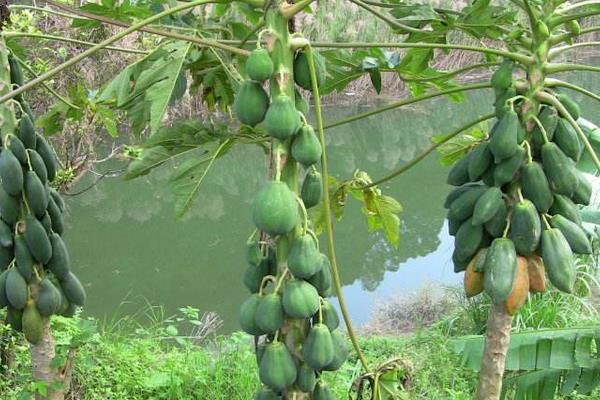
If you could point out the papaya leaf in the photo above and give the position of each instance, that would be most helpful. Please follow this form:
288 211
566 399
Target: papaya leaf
592 132
456 148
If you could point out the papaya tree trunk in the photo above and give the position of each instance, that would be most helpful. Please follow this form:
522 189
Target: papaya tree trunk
42 355
7 354
497 339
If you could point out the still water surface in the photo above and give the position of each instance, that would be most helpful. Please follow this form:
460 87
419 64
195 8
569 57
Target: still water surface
125 242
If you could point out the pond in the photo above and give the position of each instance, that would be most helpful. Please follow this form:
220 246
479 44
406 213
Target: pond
126 245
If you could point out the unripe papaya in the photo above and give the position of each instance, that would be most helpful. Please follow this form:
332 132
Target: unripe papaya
317 349
558 260
464 206
575 235
300 299
535 186
60 262
23 259
327 315
254 253
487 206
306 148
73 290
473 280
9 207
16 73
525 227
559 169
500 104
27 131
583 191
11 173
16 289
459 173
537 275
506 170
48 155
57 199
340 353
479 161
38 165
468 240
322 392
56 216
18 148
3 298
14 318
35 194
300 102
6 235
37 240
48 301
564 206
457 192
504 141
304 260
500 269
567 140
322 279
460 264
269 313
502 78
548 118
277 367
33 326
282 119
247 316
570 105
520 289
251 103
312 188
259 65
7 255
302 71
307 379
266 393
542 29
275 210
254 275
574 27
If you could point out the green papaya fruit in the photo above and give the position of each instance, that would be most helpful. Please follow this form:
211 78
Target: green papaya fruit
9 207
48 155
328 316
302 71
251 103
27 131
60 262
558 260
282 119
506 170
464 206
277 367
488 176
254 275
504 141
467 241
266 393
254 253
32 323
300 102
48 301
14 318
487 206
479 264
535 186
548 117
64 302
247 316
56 217
18 148
23 259
16 289
300 299
583 191
559 169
502 78
567 140
500 269
573 27
38 165
575 235
457 191
479 161
304 259
269 313
307 378
16 73
322 280
341 351
542 29
259 65
37 240
317 349
525 227
570 105
322 392
275 210
35 194
564 206
70 311
11 173
500 104
7 255
306 148
58 199
459 173
73 290
460 264
6 235
312 188
453 226
3 299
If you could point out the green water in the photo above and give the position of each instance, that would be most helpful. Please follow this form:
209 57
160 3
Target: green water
126 246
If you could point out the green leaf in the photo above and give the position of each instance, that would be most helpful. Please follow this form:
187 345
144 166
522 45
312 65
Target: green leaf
456 148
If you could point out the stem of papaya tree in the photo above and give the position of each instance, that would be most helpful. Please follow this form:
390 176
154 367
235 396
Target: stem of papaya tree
559 50
558 83
78 58
557 68
406 102
431 149
12 35
327 212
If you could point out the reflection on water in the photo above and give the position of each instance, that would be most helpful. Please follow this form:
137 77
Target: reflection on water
125 241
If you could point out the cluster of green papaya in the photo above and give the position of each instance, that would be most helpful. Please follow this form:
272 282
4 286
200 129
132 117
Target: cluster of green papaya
288 305
514 210
36 280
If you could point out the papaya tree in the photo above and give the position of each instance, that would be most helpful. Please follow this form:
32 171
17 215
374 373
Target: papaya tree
515 206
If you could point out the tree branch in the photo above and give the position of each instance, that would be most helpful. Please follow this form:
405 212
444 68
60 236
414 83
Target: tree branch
559 50
406 102
558 83
449 74
557 68
428 151
12 35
